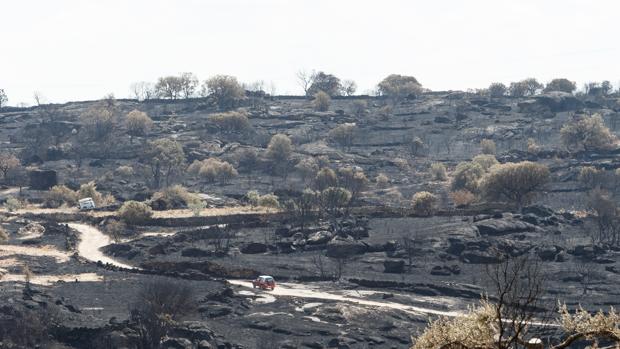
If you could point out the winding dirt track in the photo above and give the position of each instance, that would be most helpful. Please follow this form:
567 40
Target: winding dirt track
92 240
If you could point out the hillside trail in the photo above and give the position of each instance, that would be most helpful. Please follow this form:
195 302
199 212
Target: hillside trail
92 240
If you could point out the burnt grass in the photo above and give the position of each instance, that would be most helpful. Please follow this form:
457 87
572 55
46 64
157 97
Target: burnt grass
442 266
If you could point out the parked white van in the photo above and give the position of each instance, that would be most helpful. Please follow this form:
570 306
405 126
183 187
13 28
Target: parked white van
86 204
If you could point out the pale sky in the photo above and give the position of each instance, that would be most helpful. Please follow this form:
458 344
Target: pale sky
84 49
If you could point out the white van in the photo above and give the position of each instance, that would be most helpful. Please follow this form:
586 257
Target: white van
86 204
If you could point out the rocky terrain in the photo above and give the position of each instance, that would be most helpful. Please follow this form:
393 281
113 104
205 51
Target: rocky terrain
367 275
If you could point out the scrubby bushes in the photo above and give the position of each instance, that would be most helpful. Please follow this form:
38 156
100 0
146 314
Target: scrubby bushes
321 101
516 182
134 212
486 161
343 135
487 146
466 176
587 133
89 190
462 197
60 195
267 200
4 235
173 197
124 171
424 203
307 168
382 181
359 108
438 171
325 178
138 124
280 148
213 169
13 204
233 121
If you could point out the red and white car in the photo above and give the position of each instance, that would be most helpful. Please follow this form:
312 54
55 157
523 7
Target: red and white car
264 282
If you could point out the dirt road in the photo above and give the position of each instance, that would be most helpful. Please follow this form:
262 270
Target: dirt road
92 240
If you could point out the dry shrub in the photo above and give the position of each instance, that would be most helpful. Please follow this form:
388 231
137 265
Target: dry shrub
176 196
424 203
213 169
89 190
134 212
13 204
343 135
321 101
124 171
233 121
438 171
325 178
60 195
267 200
486 161
516 182
462 198
382 181
4 235
532 146
588 134
466 176
487 146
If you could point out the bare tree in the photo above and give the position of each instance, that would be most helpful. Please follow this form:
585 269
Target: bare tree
8 162
518 285
158 305
3 98
142 90
305 80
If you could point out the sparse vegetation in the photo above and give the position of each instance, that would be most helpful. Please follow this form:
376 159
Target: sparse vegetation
438 171
138 124
424 203
462 198
487 146
343 135
213 169
562 85
134 212
321 101
60 195
466 176
176 196
12 204
232 121
588 134
497 89
398 87
266 200
225 89
516 182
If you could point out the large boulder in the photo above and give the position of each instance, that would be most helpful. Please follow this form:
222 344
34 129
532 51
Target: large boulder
320 237
394 266
340 247
503 226
538 210
254 248
557 101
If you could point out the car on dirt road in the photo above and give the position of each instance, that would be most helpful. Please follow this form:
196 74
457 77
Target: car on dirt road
264 282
